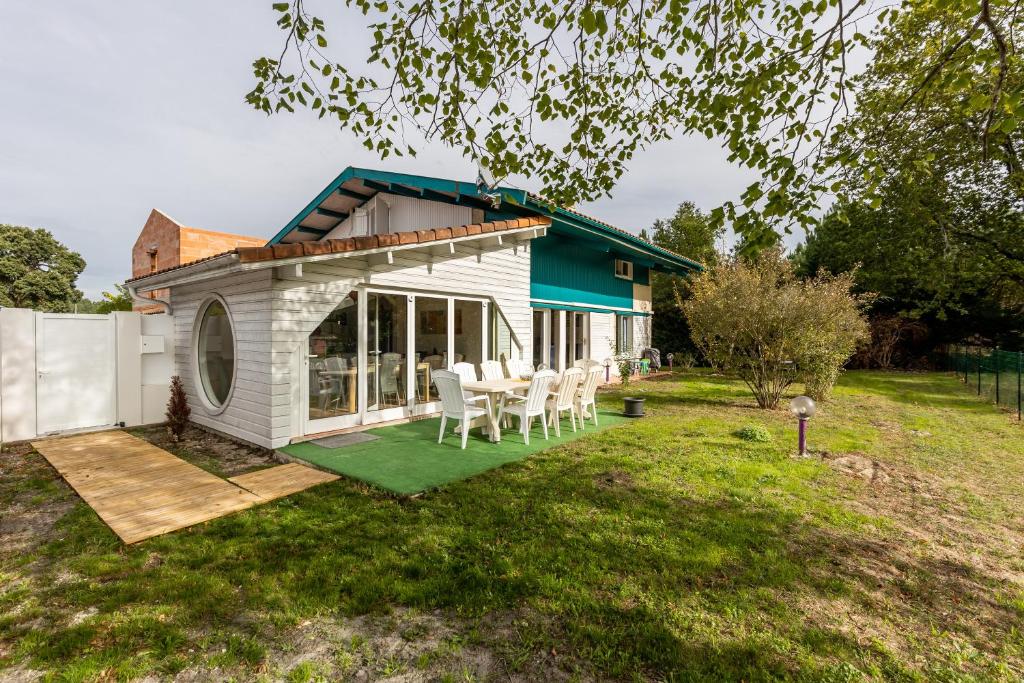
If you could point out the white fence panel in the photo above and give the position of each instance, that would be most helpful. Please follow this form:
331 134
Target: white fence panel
64 372
76 372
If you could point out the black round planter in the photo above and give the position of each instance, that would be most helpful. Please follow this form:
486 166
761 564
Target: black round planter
633 407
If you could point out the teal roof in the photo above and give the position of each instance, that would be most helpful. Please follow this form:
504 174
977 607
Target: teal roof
353 186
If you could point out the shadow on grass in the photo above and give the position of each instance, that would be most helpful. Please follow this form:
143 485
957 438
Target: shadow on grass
619 549
637 579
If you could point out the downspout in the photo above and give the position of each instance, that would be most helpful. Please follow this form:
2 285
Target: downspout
147 301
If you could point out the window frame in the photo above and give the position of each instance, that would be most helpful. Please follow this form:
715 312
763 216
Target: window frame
622 321
197 378
628 270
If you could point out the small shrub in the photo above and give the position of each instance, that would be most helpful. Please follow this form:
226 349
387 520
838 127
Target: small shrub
177 409
624 362
686 360
755 433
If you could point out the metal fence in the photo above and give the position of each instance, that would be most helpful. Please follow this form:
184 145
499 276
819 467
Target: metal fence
991 372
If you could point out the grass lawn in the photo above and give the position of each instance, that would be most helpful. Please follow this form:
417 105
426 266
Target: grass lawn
406 459
667 548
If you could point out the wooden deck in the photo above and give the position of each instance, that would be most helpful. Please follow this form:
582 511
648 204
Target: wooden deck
281 481
142 491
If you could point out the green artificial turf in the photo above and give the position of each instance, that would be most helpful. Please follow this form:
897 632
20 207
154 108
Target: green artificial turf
407 459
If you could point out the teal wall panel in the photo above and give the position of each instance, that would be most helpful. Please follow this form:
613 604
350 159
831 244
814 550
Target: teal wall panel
571 271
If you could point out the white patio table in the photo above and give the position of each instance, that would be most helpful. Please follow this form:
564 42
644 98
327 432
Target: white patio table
495 388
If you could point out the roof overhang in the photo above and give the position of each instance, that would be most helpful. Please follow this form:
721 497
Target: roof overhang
355 186
378 250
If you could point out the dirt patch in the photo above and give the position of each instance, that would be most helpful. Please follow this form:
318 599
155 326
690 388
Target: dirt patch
614 479
32 499
213 452
408 646
859 465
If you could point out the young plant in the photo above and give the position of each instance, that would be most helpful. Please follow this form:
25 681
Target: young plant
177 410
624 362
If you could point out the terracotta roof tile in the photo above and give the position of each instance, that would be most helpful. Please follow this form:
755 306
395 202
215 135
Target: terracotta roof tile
362 243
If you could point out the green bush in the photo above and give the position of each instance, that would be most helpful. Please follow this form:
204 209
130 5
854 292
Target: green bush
755 433
757 321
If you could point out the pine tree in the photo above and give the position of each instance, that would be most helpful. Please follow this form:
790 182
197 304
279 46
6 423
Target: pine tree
177 409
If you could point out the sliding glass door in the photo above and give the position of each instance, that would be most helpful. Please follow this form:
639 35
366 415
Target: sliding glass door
332 361
373 357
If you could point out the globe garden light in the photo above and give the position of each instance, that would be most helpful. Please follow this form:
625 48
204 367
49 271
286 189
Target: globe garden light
803 407
607 370
669 358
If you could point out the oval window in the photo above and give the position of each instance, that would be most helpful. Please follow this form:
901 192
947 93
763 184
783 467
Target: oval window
216 353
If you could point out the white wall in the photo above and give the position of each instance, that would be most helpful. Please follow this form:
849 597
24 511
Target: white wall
17 374
273 314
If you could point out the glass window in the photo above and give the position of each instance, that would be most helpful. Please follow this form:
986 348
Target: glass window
431 344
469 331
623 269
216 353
333 365
580 327
624 334
386 348
538 337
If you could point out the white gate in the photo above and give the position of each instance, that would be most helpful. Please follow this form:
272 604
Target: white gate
76 384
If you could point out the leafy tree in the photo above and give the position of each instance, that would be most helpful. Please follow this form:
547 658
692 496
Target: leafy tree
930 258
567 91
118 300
37 271
959 125
933 181
689 232
755 319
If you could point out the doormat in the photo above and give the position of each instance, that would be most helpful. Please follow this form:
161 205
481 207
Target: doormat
342 440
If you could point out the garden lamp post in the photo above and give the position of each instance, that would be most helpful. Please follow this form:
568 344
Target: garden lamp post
669 358
803 407
607 370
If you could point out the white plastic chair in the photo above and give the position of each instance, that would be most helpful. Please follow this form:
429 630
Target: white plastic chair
586 397
466 371
517 369
389 371
531 406
455 405
565 398
491 369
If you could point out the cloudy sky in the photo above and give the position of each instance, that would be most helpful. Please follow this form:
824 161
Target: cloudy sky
111 109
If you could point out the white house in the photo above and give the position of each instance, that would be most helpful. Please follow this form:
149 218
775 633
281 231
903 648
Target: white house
382 278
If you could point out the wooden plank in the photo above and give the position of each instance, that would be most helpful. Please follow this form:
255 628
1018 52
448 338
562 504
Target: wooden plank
284 480
139 490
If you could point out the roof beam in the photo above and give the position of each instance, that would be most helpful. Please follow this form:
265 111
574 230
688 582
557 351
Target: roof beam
312 231
379 187
435 196
340 215
345 192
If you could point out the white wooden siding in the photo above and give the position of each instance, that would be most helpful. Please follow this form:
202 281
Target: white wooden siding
409 213
248 415
642 333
